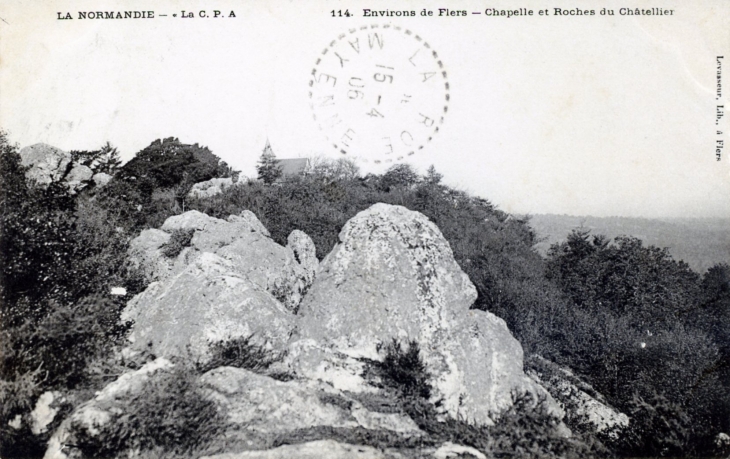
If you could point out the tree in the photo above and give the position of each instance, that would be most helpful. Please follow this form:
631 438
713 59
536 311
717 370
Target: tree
268 166
399 176
36 231
624 277
433 177
339 169
106 159
109 160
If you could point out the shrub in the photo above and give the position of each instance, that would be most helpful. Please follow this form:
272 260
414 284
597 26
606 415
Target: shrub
658 428
170 413
179 239
240 352
403 370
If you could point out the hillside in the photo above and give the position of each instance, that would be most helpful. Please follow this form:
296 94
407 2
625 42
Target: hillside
334 315
701 243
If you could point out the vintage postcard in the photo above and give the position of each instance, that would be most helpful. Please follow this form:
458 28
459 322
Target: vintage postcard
364 229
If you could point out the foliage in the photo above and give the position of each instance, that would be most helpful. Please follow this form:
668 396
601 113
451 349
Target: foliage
268 167
633 336
658 428
36 232
154 184
168 162
59 257
106 159
399 175
333 170
170 412
241 352
179 239
16 400
624 277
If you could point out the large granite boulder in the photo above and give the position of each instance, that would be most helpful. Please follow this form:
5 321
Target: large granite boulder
47 163
393 277
208 302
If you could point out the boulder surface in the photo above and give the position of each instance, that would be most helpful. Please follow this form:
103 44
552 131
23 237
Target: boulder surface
208 302
47 163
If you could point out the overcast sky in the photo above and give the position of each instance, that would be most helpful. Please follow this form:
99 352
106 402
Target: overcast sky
583 115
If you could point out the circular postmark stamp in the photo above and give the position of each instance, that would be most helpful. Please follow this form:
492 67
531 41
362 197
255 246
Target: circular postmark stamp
379 93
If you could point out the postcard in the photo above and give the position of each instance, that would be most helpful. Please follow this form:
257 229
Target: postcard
468 207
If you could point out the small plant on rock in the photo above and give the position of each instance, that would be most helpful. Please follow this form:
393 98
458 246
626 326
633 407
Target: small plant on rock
179 239
403 370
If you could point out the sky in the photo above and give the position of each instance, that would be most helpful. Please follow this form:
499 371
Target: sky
581 115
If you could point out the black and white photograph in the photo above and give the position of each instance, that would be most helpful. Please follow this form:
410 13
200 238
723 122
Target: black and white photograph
364 229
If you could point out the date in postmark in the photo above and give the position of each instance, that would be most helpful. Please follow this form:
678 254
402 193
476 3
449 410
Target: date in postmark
379 93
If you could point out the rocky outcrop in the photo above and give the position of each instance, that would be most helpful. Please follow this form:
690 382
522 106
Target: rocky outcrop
584 407
393 277
47 163
91 417
210 187
191 219
285 272
208 302
145 254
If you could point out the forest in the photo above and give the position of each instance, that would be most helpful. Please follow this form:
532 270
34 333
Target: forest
641 328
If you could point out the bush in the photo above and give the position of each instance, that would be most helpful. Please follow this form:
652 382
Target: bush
170 413
403 370
658 428
240 352
179 239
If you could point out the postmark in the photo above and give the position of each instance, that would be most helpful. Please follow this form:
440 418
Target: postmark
379 93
